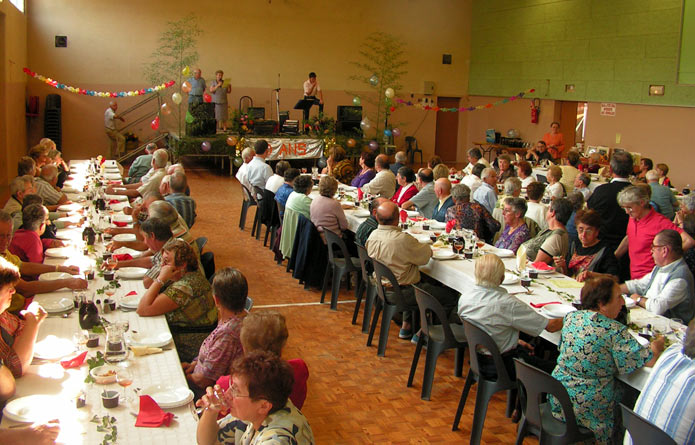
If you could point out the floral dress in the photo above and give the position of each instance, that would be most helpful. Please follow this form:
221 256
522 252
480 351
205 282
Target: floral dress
513 239
343 172
594 349
286 426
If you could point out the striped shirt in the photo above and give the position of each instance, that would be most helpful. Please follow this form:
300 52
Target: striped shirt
668 398
183 204
50 195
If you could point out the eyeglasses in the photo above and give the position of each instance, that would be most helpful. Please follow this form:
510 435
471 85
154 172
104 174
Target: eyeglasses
654 246
507 210
234 392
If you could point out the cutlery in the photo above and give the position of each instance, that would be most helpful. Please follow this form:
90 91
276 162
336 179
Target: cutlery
540 305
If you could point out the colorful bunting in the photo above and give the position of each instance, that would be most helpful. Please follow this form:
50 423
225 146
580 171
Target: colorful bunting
454 110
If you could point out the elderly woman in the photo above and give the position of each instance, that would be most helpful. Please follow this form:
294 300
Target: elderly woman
299 200
594 349
589 257
505 169
325 211
339 166
525 173
288 187
440 171
260 411
183 295
687 208
267 331
663 175
555 188
406 186
223 345
367 173
642 227
553 140
275 182
645 164
553 241
500 314
26 242
471 215
510 189
515 230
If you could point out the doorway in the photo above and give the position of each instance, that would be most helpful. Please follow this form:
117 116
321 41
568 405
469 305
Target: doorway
446 136
568 123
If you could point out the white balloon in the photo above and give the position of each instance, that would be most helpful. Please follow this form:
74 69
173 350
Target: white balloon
389 93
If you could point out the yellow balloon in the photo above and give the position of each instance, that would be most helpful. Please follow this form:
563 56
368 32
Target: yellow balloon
186 70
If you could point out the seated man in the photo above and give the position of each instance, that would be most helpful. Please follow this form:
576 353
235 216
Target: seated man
442 189
475 156
486 195
27 166
403 255
384 183
46 188
472 180
539 153
242 174
141 164
668 397
668 289
183 204
370 224
581 184
26 242
258 171
535 209
159 164
19 188
426 199
401 160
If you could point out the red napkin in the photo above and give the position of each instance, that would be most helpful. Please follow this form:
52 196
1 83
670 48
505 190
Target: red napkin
404 216
102 161
122 257
540 265
450 225
75 362
114 201
455 181
120 223
151 415
360 195
132 292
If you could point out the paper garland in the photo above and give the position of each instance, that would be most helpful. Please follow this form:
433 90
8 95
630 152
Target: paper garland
454 110
62 86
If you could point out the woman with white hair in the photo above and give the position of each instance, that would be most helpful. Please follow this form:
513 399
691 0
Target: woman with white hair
642 227
515 230
687 208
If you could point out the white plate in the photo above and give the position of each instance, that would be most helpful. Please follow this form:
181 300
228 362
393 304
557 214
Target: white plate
131 273
131 301
70 207
557 310
49 276
100 376
57 306
68 234
118 197
112 176
53 348
168 396
436 225
502 253
443 254
122 218
423 238
151 340
118 207
36 408
125 237
132 252
541 272
60 252
412 212
71 218
363 213
510 278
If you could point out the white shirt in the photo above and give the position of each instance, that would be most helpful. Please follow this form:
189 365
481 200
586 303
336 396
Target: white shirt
469 167
311 90
383 184
108 118
258 172
486 196
274 183
527 180
663 294
555 190
472 181
536 211
586 191
242 176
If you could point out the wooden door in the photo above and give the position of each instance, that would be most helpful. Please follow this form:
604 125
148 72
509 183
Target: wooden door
446 136
568 123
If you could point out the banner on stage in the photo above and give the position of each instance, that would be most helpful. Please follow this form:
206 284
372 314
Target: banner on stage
291 148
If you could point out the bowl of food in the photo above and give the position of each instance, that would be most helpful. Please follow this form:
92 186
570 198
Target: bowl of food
104 375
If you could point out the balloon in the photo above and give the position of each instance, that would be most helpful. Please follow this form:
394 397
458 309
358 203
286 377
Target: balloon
373 80
396 132
365 124
155 123
388 133
186 71
238 161
205 146
356 101
186 86
389 92
166 109
321 162
207 98
189 117
231 141
373 145
351 142
176 98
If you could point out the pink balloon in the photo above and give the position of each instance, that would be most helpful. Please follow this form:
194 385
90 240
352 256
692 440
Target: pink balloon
205 146
396 132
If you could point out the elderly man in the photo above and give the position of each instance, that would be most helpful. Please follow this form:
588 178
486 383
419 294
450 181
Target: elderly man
242 174
668 289
426 199
258 171
581 184
668 397
403 254
442 189
370 224
665 201
539 153
183 204
195 96
160 158
27 166
475 157
141 165
26 289
110 126
486 194
384 183
471 215
401 159
45 188
19 188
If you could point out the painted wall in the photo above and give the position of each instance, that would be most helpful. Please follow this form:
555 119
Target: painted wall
13 53
252 41
610 50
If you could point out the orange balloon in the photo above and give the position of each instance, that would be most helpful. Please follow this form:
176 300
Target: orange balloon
186 87
231 141
166 109
351 142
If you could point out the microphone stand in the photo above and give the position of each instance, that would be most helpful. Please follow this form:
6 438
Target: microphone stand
277 100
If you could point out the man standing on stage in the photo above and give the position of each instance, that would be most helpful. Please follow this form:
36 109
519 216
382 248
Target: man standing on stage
111 132
312 89
195 96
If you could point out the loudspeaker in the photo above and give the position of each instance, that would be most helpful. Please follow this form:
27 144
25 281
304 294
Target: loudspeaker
256 112
348 119
284 115
265 127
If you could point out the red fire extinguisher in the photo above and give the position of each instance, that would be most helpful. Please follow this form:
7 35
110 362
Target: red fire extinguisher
535 110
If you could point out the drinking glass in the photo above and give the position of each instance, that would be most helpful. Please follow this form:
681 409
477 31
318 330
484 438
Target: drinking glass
217 402
458 245
124 377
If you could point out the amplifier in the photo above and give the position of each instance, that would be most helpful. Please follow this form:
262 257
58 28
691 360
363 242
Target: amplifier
290 126
265 127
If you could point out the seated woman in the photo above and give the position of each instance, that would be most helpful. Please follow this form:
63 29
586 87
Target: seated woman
258 405
525 173
267 331
505 168
275 182
299 200
511 188
501 315
471 215
591 257
222 346
663 175
594 349
367 173
183 295
287 188
553 241
406 186
326 212
18 334
338 165
555 188
26 242
515 230
440 171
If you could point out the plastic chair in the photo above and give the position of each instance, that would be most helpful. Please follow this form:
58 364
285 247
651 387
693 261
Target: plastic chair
269 216
208 262
537 418
412 148
382 272
642 431
346 265
439 338
260 211
248 202
201 241
249 304
367 286
476 336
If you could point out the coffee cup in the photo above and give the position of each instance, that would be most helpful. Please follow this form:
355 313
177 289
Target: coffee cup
108 275
532 273
526 282
110 399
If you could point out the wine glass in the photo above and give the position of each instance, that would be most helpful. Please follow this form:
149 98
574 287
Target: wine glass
124 377
458 245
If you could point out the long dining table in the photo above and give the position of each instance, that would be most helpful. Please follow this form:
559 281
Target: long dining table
58 389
